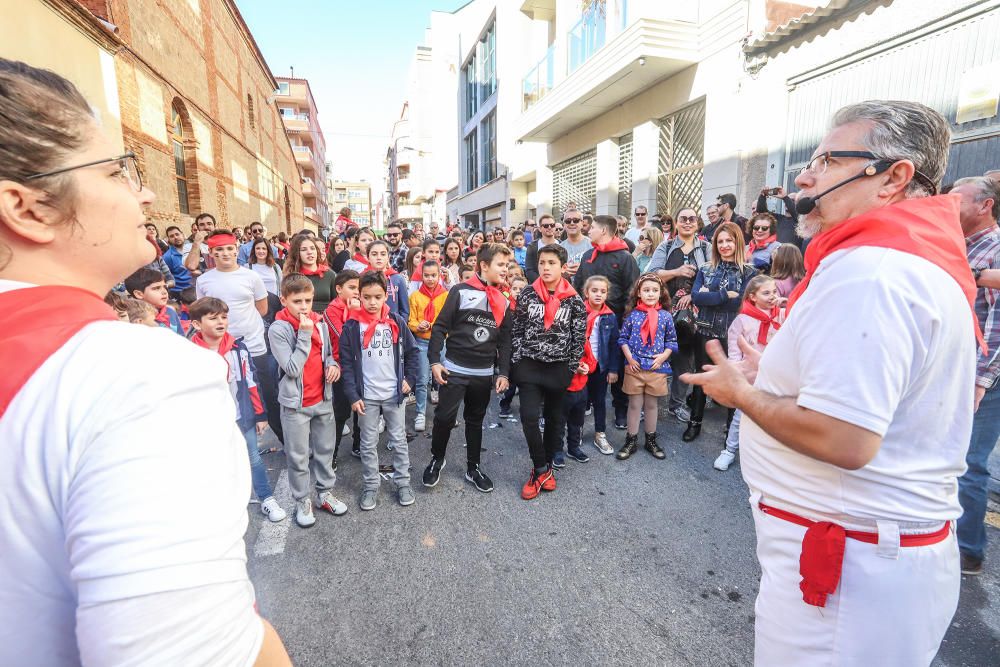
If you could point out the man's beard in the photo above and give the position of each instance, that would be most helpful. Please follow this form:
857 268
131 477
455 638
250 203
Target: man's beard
807 228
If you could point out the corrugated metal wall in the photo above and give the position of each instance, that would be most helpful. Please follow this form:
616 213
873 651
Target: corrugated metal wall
575 180
927 70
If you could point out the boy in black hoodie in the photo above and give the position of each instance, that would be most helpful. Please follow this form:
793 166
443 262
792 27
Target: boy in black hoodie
550 324
475 321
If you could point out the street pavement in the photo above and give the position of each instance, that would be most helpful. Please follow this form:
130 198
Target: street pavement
626 563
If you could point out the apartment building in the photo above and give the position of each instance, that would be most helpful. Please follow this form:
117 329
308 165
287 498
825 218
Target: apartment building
300 117
356 195
671 104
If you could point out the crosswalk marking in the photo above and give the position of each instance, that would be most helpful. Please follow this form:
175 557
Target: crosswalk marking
271 537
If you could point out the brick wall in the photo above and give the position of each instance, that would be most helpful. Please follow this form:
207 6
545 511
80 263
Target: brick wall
196 55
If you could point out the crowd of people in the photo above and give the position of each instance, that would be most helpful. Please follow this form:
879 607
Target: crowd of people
562 312
867 417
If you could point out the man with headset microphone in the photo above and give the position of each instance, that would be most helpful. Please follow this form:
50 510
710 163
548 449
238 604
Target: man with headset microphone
858 419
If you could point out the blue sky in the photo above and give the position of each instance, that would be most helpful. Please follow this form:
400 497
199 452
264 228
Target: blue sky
356 54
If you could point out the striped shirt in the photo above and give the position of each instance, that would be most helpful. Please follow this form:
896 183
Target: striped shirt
983 251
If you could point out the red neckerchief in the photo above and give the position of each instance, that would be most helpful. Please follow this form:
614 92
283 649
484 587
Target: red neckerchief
372 322
652 321
225 345
496 299
753 247
552 301
317 338
337 310
612 245
592 316
361 259
927 227
438 290
163 317
318 271
418 273
37 322
767 319
389 272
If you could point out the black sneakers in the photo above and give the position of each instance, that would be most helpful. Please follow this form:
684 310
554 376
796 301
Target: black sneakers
432 473
477 477
972 567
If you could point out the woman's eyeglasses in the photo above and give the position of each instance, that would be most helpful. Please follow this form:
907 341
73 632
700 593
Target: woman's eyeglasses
127 163
758 228
687 218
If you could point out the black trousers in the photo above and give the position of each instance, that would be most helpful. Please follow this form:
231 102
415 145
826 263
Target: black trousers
542 384
574 409
341 413
267 380
700 359
475 391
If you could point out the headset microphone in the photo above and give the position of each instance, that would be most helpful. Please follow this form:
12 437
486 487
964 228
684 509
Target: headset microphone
805 205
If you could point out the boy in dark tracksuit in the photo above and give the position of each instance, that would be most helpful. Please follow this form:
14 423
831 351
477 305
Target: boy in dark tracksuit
550 324
476 322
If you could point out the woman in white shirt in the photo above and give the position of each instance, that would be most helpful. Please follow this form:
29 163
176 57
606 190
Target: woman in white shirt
262 261
100 570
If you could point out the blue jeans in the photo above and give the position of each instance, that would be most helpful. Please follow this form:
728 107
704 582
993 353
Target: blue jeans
972 486
423 375
258 473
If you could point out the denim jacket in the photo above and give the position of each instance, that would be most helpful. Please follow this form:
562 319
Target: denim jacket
608 353
716 310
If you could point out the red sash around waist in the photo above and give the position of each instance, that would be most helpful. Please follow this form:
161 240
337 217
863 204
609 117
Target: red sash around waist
822 557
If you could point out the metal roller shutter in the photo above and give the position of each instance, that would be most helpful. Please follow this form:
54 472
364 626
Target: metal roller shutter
575 180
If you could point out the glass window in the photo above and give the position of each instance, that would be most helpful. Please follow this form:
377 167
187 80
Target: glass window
180 169
488 168
472 160
282 87
471 84
487 46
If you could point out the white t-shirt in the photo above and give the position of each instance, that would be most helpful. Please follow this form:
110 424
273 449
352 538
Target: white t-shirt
271 275
240 289
378 364
634 233
883 340
101 565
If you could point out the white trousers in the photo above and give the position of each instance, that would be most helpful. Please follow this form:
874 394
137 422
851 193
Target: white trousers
892 607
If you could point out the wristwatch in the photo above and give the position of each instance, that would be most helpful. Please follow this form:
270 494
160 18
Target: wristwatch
976 273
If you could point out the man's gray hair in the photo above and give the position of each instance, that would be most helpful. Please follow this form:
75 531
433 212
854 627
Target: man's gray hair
986 188
904 130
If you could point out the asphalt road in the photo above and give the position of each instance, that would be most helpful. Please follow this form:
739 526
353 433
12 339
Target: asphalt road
635 562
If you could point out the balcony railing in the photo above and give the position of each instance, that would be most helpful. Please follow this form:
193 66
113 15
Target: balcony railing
540 80
587 36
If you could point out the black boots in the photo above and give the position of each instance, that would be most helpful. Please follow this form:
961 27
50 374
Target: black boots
628 449
692 432
654 448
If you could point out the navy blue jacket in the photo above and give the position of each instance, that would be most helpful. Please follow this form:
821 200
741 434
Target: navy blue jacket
352 373
716 310
608 353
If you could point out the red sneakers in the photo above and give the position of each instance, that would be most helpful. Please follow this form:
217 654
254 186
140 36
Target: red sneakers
548 480
537 483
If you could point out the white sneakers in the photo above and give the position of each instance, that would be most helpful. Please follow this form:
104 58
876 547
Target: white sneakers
329 502
346 430
419 422
304 513
434 396
272 510
602 444
725 460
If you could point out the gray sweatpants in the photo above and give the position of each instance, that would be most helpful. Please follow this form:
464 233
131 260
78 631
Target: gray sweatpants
309 431
395 428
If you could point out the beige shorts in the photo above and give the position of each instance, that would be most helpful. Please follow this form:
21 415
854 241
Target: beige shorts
645 382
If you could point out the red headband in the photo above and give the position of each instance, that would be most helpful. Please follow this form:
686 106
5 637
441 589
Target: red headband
220 239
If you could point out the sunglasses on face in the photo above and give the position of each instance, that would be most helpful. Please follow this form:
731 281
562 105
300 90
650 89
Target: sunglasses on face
544 226
643 238
573 221
686 218
640 215
392 236
758 228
